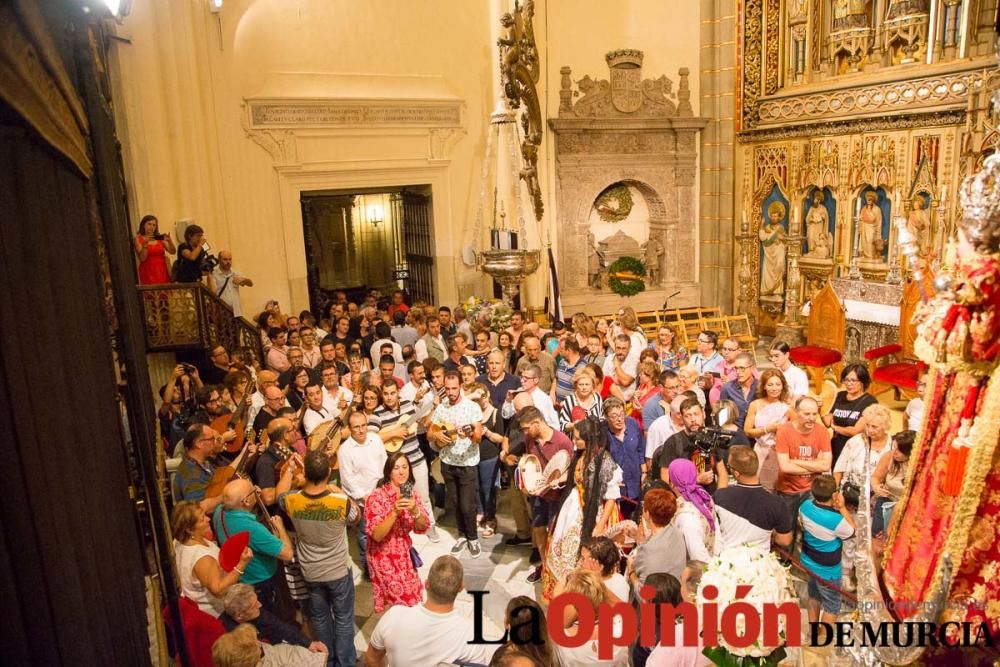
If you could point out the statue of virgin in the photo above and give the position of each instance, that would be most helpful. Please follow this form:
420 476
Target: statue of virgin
772 239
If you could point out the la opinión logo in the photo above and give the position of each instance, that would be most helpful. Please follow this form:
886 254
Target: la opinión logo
740 625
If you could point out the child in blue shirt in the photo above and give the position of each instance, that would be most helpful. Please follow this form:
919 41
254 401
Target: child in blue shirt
826 523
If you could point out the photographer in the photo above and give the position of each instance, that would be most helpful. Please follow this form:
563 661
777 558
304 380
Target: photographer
226 282
192 255
697 444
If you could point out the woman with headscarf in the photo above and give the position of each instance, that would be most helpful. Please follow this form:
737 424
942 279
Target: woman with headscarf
590 506
695 512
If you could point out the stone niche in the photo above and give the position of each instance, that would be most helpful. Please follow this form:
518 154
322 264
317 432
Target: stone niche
626 132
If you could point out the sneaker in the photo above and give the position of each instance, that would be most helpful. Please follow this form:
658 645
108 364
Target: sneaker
536 557
459 545
432 534
535 575
517 541
474 548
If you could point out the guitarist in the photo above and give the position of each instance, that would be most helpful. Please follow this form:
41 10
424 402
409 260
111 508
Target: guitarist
265 470
201 445
391 415
314 412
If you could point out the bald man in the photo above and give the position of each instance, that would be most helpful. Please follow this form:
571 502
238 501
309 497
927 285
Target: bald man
226 282
265 379
235 515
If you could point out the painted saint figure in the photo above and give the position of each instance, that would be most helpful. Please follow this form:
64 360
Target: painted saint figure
919 222
772 239
870 235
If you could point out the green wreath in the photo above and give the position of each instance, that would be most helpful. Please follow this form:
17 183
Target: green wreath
614 204
625 276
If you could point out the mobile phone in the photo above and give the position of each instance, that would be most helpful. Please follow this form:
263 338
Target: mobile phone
158 236
406 490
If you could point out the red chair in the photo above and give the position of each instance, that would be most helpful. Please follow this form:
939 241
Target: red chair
200 631
824 338
894 365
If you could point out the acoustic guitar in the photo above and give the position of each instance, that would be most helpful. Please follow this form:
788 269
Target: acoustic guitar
411 422
236 468
329 435
237 421
454 432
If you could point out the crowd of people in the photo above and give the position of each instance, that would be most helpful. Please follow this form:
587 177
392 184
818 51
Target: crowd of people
623 460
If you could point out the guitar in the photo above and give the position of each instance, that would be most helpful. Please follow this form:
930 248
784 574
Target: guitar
329 435
236 468
455 432
237 421
410 422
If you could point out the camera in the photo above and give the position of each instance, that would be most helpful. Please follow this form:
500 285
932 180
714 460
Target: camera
709 438
188 368
159 237
208 263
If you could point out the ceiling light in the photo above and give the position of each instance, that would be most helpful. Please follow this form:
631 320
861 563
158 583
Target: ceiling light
215 6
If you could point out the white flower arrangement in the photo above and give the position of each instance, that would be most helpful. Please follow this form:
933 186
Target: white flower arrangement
771 585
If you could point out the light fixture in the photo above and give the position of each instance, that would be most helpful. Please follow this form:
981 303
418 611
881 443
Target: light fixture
215 6
118 8
376 215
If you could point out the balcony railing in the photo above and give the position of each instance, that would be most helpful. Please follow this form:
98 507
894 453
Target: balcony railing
188 316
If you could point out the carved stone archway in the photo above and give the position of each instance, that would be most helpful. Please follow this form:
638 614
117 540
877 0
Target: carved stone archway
641 133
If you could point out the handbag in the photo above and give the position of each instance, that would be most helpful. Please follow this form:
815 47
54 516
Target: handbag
415 558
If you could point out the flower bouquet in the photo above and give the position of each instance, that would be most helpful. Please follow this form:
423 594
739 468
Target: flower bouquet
756 584
496 312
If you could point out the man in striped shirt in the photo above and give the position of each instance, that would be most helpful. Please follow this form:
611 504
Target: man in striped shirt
570 361
391 416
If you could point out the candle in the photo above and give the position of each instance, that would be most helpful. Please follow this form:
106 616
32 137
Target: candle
744 225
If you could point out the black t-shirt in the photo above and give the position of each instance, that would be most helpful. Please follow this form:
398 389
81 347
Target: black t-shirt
681 446
847 413
265 474
334 338
188 270
261 421
751 502
212 374
487 448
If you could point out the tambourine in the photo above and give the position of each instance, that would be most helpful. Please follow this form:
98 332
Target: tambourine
535 480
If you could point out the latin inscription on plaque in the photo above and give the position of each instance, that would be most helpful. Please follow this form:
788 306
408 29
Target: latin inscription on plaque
287 115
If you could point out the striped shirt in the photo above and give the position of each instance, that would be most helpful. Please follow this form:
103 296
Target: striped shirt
564 377
825 530
390 419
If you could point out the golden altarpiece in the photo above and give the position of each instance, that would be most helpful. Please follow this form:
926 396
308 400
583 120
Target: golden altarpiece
850 115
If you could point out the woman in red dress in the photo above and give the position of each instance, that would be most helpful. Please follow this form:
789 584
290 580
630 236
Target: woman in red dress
151 247
391 514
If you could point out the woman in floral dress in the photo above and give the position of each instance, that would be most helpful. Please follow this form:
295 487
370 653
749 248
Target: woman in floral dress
390 516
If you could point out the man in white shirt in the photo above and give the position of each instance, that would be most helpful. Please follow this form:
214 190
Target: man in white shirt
315 413
623 365
335 396
663 427
362 459
432 343
530 376
798 381
226 283
430 633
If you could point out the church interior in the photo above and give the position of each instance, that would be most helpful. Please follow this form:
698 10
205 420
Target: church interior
814 176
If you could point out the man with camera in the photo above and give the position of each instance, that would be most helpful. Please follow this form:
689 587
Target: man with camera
193 260
697 444
226 282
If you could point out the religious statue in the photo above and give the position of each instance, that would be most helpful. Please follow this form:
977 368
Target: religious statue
823 248
850 14
595 263
510 53
919 222
817 221
870 241
951 503
652 255
772 238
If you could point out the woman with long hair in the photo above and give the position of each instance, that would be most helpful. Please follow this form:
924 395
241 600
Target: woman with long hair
392 512
670 353
521 619
297 384
648 387
151 248
583 328
765 414
590 506
505 343
584 654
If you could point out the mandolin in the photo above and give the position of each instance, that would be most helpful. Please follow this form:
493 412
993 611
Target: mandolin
329 435
237 421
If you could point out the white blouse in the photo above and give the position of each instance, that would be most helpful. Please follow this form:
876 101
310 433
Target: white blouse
852 464
187 556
